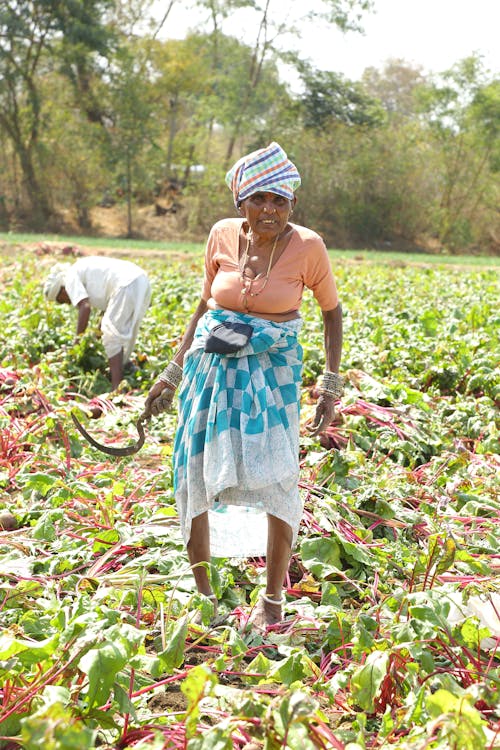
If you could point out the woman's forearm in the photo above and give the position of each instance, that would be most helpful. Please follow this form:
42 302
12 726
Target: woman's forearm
332 320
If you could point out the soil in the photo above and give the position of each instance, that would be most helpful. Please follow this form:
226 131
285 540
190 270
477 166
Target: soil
111 222
170 701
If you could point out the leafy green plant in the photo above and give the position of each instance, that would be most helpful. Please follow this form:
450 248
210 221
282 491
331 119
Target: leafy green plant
391 629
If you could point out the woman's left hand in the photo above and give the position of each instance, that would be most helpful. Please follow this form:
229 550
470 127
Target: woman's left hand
325 413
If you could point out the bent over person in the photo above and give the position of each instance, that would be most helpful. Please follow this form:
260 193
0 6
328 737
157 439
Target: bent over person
236 451
117 287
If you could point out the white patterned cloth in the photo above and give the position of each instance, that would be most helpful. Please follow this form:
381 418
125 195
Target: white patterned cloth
236 451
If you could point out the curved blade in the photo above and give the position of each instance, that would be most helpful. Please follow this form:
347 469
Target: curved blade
127 450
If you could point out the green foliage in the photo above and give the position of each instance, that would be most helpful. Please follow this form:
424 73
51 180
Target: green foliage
97 110
390 630
330 97
462 111
32 32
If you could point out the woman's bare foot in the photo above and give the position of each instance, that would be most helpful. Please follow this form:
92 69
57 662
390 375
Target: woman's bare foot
266 612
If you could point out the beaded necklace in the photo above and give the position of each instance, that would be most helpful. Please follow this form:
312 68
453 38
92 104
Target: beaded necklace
245 281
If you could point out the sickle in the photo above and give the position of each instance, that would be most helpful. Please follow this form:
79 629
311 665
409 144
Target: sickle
127 450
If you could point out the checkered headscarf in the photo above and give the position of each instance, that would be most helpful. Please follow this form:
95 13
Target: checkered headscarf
268 169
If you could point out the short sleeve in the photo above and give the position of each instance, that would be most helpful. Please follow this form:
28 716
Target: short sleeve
74 286
319 275
211 265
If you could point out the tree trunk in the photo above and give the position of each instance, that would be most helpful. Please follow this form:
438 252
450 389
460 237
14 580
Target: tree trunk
254 74
129 198
174 107
41 211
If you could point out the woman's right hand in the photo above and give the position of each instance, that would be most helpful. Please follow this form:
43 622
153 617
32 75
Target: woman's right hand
159 399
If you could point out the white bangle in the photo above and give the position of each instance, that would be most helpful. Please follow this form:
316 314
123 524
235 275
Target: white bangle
172 374
332 384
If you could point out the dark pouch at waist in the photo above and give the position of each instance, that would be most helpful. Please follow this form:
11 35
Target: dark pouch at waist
227 338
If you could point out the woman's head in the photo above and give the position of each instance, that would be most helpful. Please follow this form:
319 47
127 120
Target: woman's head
267 170
267 213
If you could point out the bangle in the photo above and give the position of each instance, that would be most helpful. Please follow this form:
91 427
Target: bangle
172 374
332 384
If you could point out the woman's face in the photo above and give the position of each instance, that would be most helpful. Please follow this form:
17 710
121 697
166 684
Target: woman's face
267 213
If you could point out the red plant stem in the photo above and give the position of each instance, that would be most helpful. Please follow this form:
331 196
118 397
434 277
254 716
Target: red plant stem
86 521
127 501
62 433
493 655
73 535
53 577
149 688
49 677
493 743
454 658
351 535
299 593
323 732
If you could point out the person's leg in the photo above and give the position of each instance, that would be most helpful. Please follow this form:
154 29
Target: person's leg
198 550
138 299
279 544
116 369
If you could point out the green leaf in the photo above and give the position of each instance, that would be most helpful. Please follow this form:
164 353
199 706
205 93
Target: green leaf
41 483
257 669
101 665
356 552
45 529
28 651
472 633
296 667
173 656
321 555
123 701
55 728
106 539
199 681
218 738
366 680
297 706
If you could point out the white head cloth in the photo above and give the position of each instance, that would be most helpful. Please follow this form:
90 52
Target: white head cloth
55 280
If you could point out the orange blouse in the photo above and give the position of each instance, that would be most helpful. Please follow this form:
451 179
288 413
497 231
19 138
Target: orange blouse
303 263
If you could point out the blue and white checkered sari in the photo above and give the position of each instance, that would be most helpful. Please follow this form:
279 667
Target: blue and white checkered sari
236 451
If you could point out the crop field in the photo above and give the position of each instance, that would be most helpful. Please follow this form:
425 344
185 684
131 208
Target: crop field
392 628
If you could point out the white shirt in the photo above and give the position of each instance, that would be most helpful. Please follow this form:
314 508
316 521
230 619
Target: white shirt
98 278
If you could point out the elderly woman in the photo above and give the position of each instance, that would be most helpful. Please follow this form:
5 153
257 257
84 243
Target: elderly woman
236 452
117 287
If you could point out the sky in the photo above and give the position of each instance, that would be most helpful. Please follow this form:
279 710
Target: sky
434 34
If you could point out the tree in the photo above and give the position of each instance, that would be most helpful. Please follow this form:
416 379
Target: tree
30 33
198 104
75 173
462 112
182 83
331 96
396 85
273 25
132 127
